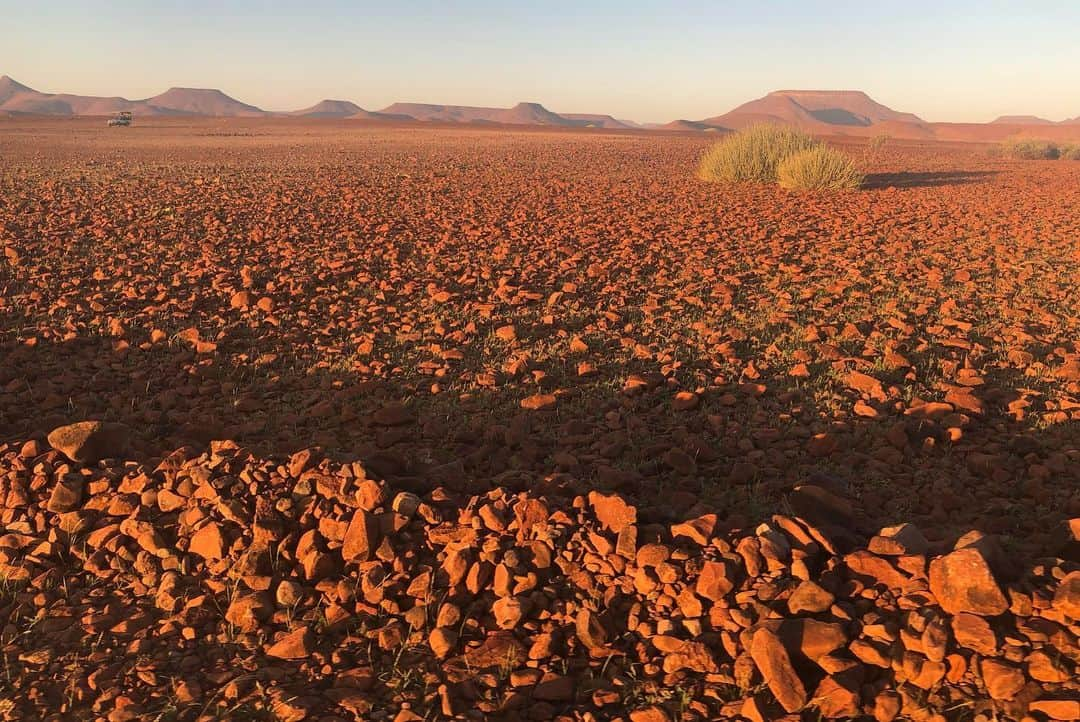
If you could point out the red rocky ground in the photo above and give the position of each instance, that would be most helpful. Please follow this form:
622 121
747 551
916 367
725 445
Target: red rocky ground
402 424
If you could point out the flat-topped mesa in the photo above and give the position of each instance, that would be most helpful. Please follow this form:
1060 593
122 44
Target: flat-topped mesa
819 111
524 113
808 93
1022 120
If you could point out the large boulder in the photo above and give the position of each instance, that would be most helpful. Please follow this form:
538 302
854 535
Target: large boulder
962 581
87 442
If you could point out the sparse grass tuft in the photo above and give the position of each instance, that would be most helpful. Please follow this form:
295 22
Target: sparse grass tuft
879 141
1070 151
820 168
752 154
1030 149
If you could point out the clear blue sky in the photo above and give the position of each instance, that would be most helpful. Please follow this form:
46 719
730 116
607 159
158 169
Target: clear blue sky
965 60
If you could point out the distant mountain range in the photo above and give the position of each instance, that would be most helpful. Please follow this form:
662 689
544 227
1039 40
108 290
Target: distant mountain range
19 99
853 112
823 112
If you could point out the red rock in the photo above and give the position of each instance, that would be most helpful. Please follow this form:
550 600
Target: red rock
1002 680
612 511
589 630
209 542
867 385
699 530
887 706
248 611
498 649
874 569
837 697
67 495
29 450
809 597
652 713
1067 596
538 402
1057 709
974 633
715 581
865 410
811 637
87 442
685 401
361 537
442 641
240 300
870 653
962 582
297 644
773 662
965 401
934 410
509 611
405 503
649 555
899 540
1044 667
693 656
921 672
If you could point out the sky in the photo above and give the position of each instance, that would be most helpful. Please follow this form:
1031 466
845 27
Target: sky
959 60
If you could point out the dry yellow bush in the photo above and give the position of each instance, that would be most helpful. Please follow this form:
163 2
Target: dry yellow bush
752 154
819 168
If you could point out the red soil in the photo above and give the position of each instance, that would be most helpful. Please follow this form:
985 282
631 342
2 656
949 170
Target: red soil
408 423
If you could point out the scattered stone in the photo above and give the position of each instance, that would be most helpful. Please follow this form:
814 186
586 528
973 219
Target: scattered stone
67 495
208 542
612 511
715 581
297 644
1002 680
1067 596
900 540
773 662
961 581
361 537
810 597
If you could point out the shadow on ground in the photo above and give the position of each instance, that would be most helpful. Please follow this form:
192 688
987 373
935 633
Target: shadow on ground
738 451
927 179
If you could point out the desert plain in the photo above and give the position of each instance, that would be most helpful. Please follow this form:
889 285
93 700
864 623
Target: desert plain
418 423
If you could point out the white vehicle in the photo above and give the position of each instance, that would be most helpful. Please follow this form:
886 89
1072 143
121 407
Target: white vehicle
120 120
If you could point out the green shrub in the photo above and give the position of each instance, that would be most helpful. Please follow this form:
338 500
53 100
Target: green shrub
752 154
1029 149
819 168
1070 151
